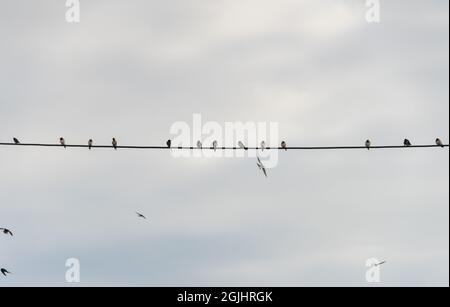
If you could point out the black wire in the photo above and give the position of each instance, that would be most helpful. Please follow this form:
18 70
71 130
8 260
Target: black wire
228 148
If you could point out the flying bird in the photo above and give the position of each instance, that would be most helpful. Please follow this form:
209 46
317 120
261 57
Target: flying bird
5 271
199 145
242 146
261 167
439 143
90 142
114 143
379 264
62 142
368 144
284 145
263 145
141 215
214 145
16 141
169 143
407 143
7 231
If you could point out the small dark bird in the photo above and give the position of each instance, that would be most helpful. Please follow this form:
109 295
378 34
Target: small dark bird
242 146
214 145
5 271
284 145
7 231
62 142
379 264
90 142
141 215
16 141
407 143
439 142
169 144
368 144
114 143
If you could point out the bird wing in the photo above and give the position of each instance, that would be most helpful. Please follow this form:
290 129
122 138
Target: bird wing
264 171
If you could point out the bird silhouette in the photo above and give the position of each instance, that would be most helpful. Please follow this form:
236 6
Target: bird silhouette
141 215
439 142
16 141
214 145
62 142
199 145
90 142
263 145
169 143
284 145
114 143
6 231
261 167
368 144
242 146
407 143
379 264
5 271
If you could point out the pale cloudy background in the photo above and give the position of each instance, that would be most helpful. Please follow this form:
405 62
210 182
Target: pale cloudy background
132 68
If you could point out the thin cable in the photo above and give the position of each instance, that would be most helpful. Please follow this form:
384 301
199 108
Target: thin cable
226 148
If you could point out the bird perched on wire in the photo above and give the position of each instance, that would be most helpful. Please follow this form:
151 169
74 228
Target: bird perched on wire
114 143
284 145
169 143
407 143
62 142
242 146
439 142
199 145
263 145
6 231
214 145
90 143
141 215
5 271
368 144
16 141
261 167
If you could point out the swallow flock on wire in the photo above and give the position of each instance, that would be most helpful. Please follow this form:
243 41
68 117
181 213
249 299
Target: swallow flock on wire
241 145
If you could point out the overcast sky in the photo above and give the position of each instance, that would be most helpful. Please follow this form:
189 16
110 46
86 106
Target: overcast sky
131 69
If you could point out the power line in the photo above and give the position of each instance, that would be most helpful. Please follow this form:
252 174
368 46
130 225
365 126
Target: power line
226 148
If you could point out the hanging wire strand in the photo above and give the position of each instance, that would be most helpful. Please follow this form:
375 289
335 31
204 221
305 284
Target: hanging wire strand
227 148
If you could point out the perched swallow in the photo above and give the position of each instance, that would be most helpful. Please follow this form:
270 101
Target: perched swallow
407 143
169 143
90 142
62 142
16 141
5 271
263 145
7 231
242 146
261 167
199 145
368 144
114 143
141 215
214 145
439 143
283 145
